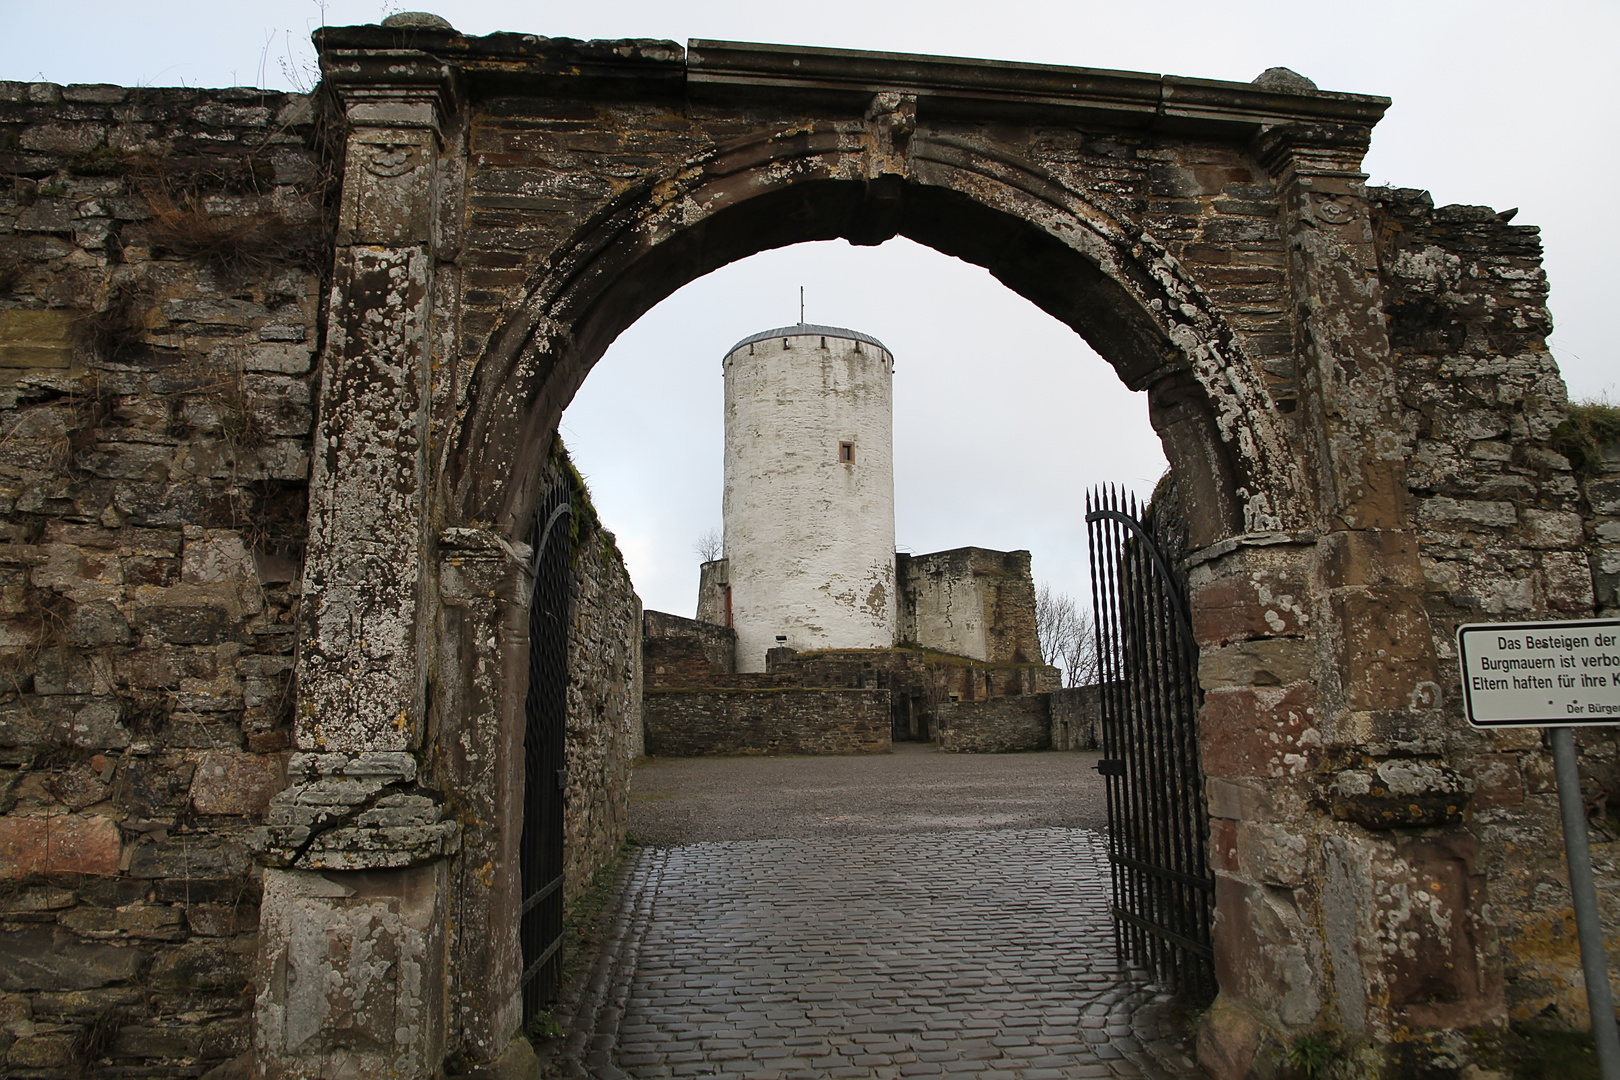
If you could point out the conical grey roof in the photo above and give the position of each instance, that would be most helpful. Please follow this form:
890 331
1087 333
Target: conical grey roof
809 330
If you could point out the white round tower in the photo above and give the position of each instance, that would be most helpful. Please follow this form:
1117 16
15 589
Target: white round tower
809 499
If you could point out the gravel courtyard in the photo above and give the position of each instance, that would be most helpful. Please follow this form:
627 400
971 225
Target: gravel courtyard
675 801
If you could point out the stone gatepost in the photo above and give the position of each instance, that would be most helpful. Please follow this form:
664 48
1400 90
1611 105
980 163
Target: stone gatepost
1349 890
352 963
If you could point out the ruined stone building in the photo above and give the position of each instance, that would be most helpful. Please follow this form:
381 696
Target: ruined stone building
810 585
279 376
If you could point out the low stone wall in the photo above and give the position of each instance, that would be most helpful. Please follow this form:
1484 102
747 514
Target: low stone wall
1077 718
684 652
692 723
604 733
996 726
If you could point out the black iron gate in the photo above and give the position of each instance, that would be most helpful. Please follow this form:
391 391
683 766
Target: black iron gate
544 765
1158 821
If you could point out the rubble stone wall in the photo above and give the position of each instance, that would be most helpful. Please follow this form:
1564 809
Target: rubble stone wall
689 723
678 651
1500 538
995 726
1077 718
604 733
161 256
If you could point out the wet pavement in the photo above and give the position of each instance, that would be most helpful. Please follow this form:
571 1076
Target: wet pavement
865 950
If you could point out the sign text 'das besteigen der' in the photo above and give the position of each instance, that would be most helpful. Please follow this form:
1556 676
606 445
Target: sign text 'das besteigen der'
1541 674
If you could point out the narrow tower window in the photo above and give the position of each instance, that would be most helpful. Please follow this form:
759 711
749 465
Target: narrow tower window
846 453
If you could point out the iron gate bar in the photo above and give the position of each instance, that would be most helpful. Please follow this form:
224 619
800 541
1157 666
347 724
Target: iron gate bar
540 914
1158 821
551 887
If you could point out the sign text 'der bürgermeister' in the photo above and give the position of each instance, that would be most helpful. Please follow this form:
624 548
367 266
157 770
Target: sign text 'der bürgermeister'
1541 674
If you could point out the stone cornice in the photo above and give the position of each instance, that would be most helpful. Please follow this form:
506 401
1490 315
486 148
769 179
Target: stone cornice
509 63
952 84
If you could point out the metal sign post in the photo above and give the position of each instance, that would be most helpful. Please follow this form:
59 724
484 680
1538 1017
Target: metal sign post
1556 676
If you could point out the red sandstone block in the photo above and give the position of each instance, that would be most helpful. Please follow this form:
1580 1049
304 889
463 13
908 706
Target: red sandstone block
1258 731
57 844
1249 606
227 782
1223 845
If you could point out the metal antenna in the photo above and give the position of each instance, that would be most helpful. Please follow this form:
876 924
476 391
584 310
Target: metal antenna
801 305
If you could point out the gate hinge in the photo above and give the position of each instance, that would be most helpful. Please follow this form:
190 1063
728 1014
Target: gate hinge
1111 766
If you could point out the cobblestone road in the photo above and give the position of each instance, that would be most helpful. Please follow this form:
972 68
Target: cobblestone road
971 953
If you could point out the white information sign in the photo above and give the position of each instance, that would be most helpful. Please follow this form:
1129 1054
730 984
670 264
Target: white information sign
1543 674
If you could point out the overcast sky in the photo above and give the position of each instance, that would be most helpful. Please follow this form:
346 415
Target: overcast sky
1002 416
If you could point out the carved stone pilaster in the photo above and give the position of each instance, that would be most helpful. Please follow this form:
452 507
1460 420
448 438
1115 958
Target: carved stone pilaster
1341 339
355 922
361 675
1382 767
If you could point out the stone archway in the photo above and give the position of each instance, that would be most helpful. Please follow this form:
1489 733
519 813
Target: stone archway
1109 280
511 203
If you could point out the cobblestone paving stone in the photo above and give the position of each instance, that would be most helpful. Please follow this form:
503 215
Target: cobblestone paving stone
984 953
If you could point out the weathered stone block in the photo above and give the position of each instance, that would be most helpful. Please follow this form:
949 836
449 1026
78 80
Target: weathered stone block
1262 662
97 622
1259 604
1271 854
1497 780
76 572
213 556
84 783
36 339
71 671
1495 514
1551 529
153 787
1400 793
46 1050
189 614
1263 951
1228 1039
1366 557
212 966
57 844
1604 495
1258 731
195 859
166 1041
351 982
1430 900
1388 659
1569 582
229 783
221 694
45 958
222 920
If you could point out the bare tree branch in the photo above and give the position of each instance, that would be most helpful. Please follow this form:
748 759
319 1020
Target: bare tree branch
710 545
1067 637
